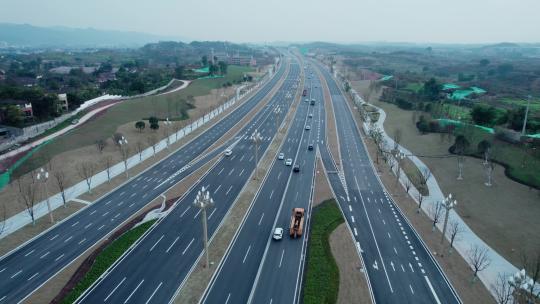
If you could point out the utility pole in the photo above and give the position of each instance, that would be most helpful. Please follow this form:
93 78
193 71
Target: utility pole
167 123
44 177
256 138
448 204
203 201
526 114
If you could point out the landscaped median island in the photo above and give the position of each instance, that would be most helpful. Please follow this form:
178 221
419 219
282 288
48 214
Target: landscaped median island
105 259
321 284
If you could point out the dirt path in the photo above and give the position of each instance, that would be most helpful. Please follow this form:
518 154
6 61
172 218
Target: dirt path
353 286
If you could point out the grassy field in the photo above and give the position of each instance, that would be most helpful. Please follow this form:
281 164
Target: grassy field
106 258
322 274
414 86
489 211
534 107
104 125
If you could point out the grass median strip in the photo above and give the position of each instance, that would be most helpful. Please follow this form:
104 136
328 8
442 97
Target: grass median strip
322 275
106 258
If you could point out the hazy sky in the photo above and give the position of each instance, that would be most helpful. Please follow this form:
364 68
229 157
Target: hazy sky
462 21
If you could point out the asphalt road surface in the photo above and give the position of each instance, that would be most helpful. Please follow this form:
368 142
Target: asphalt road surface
25 269
254 255
399 266
158 265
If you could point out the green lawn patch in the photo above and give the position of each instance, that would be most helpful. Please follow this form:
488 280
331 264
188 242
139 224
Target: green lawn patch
106 258
322 274
414 87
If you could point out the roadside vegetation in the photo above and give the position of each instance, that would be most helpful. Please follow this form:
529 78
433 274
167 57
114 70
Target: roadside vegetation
174 106
321 284
106 258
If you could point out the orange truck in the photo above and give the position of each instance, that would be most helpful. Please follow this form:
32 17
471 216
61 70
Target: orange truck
297 222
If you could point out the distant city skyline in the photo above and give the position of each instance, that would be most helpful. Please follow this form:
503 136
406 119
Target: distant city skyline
344 21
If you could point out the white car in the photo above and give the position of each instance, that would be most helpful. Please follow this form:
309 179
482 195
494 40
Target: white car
288 162
310 115
308 127
306 100
281 156
228 152
278 234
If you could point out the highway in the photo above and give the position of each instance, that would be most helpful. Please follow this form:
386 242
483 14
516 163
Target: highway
154 269
399 266
28 267
253 247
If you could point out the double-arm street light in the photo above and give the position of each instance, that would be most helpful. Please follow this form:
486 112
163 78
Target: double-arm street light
43 176
203 201
123 144
399 156
256 138
448 203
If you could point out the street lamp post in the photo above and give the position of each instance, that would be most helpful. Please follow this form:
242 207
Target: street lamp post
399 156
167 123
256 138
44 177
448 203
203 201
124 151
523 130
277 111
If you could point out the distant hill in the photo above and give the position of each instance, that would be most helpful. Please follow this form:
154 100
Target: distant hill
25 35
502 45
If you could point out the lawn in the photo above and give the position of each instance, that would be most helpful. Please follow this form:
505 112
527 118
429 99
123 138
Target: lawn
104 125
489 211
322 274
414 86
534 106
106 258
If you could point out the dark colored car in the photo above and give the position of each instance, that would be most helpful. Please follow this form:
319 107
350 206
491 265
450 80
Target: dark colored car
296 168
310 147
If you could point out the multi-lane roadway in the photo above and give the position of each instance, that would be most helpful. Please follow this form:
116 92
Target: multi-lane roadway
154 269
31 265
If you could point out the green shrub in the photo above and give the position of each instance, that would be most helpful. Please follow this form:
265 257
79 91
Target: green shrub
322 274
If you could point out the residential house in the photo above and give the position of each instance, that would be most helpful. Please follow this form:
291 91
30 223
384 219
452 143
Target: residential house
24 106
62 103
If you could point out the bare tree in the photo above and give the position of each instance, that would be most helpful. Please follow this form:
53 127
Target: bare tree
397 138
86 170
124 153
502 289
532 268
436 211
152 141
27 193
60 179
420 201
177 126
408 185
100 145
454 229
425 175
166 133
140 148
478 259
108 162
